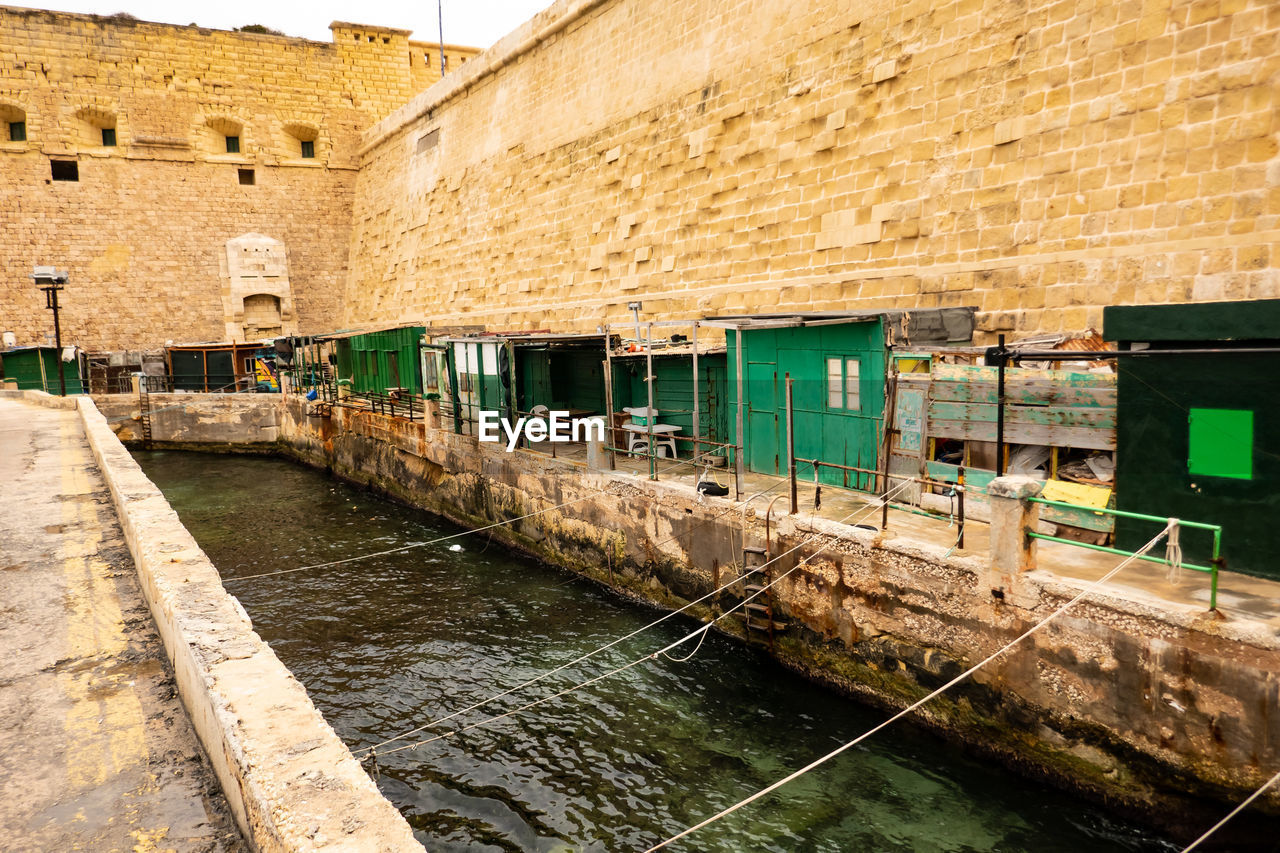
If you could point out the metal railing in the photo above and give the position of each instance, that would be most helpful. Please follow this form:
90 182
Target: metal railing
1216 561
396 404
202 383
958 490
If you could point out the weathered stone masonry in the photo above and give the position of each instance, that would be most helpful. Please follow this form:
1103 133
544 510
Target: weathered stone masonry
143 231
1041 159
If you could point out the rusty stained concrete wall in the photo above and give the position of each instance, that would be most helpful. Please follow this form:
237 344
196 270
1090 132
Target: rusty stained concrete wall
208 421
1160 712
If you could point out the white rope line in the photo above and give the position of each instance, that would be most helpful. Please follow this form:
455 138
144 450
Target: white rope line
1258 793
411 545
481 703
705 629
910 708
372 750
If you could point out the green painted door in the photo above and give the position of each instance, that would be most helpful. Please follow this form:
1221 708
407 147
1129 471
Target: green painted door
764 401
837 374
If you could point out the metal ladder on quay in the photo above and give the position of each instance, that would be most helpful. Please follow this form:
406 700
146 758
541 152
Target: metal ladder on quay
757 613
144 410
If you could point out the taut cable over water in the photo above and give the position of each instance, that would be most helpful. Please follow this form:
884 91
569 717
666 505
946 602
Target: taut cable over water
617 765
763 792
1244 805
372 751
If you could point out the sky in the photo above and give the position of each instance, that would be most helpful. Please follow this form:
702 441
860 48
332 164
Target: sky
474 23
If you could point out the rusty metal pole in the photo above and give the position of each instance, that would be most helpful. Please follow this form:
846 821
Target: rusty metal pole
1000 362
960 483
608 398
697 432
742 441
887 447
648 369
791 447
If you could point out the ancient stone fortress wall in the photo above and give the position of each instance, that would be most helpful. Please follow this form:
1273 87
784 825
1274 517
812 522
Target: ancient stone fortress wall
1041 159
144 230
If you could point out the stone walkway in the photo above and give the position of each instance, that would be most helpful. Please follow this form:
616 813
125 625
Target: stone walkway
96 750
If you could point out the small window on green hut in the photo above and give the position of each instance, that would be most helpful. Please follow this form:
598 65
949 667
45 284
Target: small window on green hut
1220 443
834 382
393 368
842 384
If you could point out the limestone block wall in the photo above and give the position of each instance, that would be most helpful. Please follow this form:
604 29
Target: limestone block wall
143 228
1041 159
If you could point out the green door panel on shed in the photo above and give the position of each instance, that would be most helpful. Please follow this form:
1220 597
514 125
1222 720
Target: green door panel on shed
1220 443
830 433
1157 435
382 360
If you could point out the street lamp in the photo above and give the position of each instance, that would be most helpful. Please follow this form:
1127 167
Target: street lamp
51 280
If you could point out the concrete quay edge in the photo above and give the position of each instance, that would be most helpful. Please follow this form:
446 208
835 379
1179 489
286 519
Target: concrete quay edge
291 783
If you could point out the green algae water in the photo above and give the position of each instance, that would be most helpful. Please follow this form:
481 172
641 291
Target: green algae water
389 643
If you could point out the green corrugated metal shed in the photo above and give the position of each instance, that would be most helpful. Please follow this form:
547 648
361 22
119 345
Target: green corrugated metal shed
837 417
23 364
376 361
1198 435
837 361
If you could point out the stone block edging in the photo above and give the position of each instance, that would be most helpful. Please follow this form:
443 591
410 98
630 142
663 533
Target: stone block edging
290 781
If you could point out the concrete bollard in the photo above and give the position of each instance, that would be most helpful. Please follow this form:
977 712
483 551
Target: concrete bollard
1013 515
597 455
431 414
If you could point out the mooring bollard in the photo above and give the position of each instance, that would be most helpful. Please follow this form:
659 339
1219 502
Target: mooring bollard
1013 515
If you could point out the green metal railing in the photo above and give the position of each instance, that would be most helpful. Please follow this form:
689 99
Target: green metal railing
1211 570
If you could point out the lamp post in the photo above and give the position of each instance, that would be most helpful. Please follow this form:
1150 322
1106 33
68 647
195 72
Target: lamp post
51 280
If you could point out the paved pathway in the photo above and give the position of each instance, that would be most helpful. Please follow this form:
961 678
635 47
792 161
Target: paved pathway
96 750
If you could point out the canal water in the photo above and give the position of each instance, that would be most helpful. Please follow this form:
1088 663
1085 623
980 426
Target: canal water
385 644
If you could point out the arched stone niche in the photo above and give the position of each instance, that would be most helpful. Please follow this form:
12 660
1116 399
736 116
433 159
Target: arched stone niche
257 300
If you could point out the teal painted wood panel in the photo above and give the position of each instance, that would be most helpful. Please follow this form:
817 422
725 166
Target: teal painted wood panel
1067 416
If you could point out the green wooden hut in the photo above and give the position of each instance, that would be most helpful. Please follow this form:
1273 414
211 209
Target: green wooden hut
1198 425
36 369
499 372
377 361
837 361
673 389
213 367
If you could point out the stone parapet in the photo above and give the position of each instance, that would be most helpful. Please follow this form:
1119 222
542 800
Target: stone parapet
291 782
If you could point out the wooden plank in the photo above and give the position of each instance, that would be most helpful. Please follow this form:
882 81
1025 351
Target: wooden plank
1074 378
1025 393
976 477
1061 436
1079 518
1068 416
